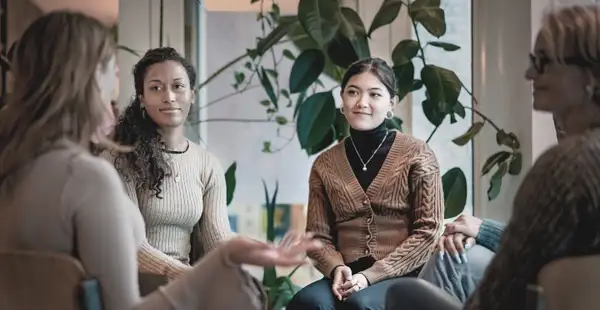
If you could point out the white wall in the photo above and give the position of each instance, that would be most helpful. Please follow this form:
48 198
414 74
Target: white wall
139 30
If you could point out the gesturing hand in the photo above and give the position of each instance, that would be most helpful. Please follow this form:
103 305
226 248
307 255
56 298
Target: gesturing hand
357 283
292 252
341 274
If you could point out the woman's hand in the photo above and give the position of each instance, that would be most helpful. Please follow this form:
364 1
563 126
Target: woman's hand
291 252
341 274
357 283
458 237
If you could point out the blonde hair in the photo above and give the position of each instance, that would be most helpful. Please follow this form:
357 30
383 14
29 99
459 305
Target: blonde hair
573 31
56 95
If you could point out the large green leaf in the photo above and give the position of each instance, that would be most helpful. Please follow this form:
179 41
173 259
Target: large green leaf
469 134
341 52
319 19
404 52
455 192
352 27
303 42
327 140
405 75
230 181
387 13
429 14
275 36
516 164
448 47
306 70
494 160
496 181
432 113
443 87
268 87
315 117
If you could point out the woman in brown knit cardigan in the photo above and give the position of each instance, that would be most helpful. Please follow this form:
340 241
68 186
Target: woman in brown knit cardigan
557 208
375 200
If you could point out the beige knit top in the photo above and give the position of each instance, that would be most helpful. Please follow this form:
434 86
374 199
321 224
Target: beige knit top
69 201
398 220
194 193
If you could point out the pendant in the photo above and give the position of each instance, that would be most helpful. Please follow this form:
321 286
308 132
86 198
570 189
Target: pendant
364 168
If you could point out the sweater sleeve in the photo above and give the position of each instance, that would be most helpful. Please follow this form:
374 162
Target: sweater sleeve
106 225
214 223
489 234
426 229
320 223
549 211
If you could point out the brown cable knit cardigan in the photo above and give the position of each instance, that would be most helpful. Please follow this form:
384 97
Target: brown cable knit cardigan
397 221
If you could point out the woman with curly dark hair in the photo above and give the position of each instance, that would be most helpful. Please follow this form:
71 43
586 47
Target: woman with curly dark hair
176 184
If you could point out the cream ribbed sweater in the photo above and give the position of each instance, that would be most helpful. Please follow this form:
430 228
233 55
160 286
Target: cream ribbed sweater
194 193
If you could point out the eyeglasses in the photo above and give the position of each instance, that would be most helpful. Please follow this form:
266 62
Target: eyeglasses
540 63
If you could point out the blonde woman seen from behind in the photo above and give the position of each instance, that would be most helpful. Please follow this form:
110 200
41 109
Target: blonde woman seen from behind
56 197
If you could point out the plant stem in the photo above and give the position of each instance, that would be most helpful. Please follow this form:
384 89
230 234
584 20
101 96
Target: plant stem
218 72
485 118
294 271
227 96
432 133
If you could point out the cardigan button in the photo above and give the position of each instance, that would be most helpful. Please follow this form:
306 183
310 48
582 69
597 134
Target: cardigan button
369 219
367 251
368 237
365 202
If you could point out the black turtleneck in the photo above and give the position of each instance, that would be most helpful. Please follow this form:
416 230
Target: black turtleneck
367 142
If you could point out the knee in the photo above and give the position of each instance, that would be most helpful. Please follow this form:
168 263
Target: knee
361 302
307 299
411 293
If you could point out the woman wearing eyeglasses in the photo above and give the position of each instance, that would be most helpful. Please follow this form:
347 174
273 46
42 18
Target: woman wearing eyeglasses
557 207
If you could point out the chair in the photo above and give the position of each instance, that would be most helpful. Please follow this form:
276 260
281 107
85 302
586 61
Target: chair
571 283
32 281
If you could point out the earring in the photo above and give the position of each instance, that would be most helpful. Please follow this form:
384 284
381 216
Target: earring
389 114
342 109
589 90
143 112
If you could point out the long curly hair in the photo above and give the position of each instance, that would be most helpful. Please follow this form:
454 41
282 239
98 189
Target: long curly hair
146 166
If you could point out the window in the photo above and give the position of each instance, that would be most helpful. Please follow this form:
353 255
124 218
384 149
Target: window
458 31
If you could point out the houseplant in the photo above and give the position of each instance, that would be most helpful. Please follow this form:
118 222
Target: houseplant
330 37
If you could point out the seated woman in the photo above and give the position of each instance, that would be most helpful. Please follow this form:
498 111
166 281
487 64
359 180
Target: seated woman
56 197
469 244
556 209
175 183
375 201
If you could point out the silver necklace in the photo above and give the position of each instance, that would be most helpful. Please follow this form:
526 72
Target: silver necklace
364 168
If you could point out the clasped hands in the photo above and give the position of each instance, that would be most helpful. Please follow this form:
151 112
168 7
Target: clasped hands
345 283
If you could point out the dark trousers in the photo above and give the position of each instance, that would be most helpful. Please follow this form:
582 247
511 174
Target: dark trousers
318 296
418 294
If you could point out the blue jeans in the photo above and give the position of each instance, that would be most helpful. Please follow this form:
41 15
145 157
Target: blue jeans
458 280
318 296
